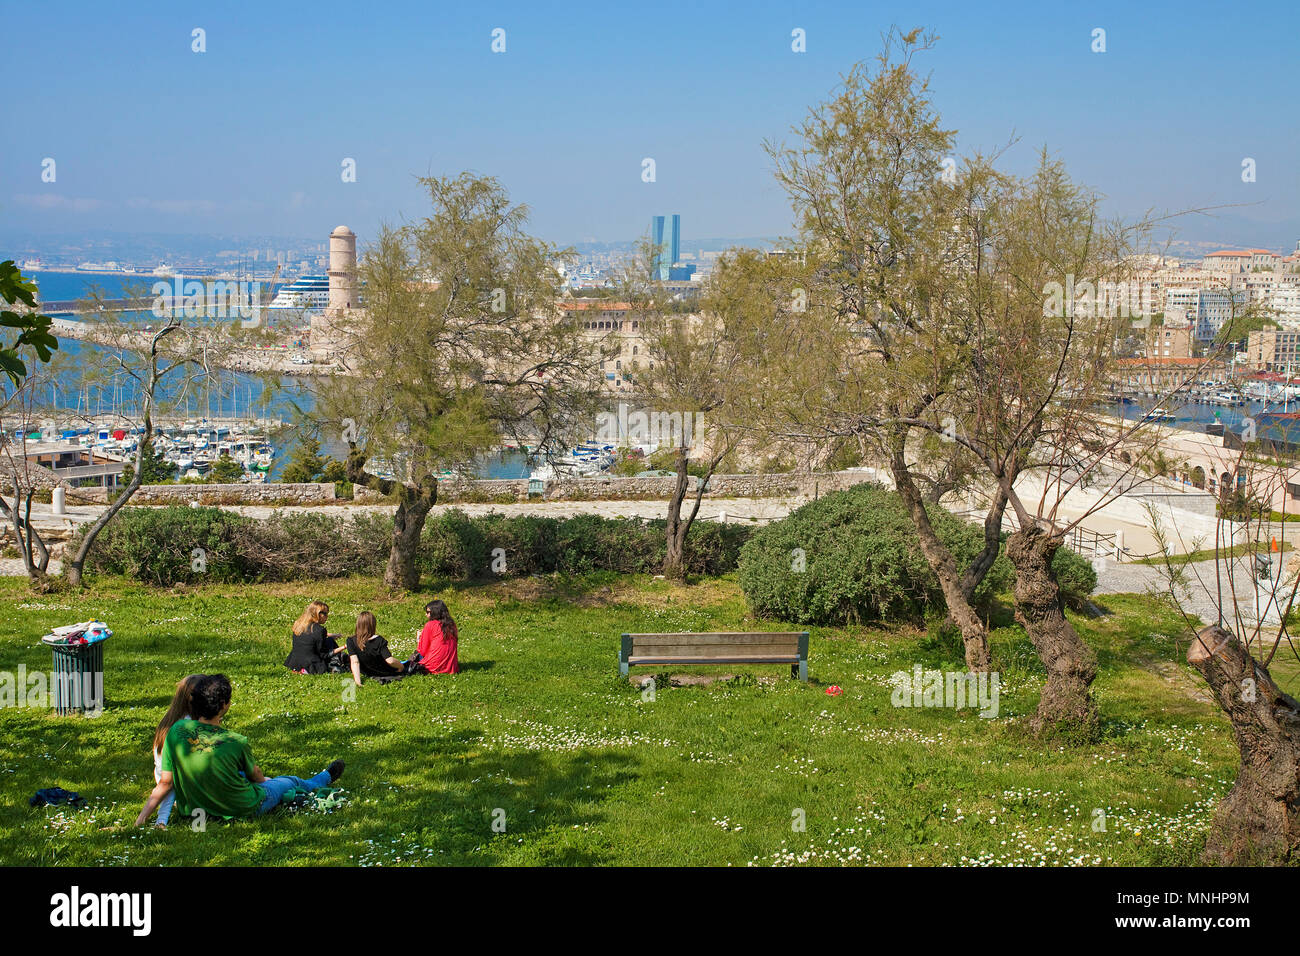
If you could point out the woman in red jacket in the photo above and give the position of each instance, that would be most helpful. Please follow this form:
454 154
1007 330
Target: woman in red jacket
438 642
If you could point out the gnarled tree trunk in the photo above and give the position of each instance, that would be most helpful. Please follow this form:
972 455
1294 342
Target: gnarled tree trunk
1259 820
414 501
974 637
1066 703
408 521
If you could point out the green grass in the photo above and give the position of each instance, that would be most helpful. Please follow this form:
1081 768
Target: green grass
540 725
1208 554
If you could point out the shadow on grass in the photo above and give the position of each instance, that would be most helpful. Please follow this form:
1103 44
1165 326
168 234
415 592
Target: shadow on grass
472 807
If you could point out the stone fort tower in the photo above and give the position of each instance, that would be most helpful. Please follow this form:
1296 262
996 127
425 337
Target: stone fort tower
343 269
330 330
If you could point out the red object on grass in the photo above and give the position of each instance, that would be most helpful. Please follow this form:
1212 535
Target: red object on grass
834 690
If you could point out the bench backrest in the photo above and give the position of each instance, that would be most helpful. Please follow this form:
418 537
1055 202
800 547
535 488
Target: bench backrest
726 644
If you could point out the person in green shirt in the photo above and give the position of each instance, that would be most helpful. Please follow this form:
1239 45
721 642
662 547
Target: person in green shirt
212 769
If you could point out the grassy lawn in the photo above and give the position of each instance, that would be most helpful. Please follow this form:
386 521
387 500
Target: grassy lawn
540 725
1209 554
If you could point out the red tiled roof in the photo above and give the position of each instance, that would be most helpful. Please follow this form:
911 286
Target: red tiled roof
600 304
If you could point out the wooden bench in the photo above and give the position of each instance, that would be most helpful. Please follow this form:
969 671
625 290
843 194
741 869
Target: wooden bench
753 647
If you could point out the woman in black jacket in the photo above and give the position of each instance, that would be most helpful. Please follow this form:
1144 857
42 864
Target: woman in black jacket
314 651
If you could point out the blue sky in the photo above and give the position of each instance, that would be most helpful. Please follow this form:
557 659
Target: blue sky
248 137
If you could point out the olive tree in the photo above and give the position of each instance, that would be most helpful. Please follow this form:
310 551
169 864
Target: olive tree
458 347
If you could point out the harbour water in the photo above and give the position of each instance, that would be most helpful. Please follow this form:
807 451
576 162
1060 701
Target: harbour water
1195 416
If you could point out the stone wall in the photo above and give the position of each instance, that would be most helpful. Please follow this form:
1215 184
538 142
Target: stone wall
598 488
612 488
244 494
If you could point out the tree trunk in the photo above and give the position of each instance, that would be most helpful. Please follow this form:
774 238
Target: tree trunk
413 505
408 521
1259 820
1066 704
675 553
36 557
74 566
973 635
974 575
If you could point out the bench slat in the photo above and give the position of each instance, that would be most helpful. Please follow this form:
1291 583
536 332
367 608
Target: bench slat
728 659
760 637
710 651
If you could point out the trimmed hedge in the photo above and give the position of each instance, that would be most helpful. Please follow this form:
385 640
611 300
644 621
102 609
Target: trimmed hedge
156 545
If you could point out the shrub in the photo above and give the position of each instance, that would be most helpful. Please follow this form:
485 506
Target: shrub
529 542
150 543
860 561
453 545
292 545
158 546
1076 576
586 543
711 548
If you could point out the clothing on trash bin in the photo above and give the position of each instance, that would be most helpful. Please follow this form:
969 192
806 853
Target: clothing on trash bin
55 796
87 632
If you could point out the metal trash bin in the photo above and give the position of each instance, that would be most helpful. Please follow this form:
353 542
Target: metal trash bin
77 681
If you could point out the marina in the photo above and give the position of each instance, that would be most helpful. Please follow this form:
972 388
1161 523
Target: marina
96 452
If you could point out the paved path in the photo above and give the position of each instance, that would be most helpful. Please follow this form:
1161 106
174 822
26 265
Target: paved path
1204 592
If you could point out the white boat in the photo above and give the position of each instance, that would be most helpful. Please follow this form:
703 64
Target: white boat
307 292
1158 414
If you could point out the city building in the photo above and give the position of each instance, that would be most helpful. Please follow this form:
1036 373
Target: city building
667 245
1284 306
1160 376
1205 309
1173 339
616 328
1273 350
1241 260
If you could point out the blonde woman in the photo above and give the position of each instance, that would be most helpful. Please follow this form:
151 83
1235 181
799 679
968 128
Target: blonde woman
315 651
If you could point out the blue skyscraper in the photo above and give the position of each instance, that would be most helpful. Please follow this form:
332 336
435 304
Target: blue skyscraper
667 248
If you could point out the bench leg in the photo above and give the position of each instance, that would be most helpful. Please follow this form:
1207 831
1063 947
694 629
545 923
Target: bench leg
800 670
622 667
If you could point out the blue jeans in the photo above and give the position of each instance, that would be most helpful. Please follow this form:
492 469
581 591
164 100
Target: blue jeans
165 808
276 787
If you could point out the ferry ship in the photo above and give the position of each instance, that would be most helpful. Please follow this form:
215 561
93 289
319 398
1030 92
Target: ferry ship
307 292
